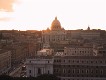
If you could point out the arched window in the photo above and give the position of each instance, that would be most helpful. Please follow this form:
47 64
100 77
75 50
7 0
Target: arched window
39 71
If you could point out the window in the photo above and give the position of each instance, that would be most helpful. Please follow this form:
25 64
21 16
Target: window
48 71
96 61
64 70
54 70
87 71
87 61
101 71
77 61
64 60
96 71
96 66
91 61
91 71
78 71
54 60
68 60
69 71
73 71
100 61
59 60
100 51
30 76
48 61
29 71
57 70
82 71
103 51
39 71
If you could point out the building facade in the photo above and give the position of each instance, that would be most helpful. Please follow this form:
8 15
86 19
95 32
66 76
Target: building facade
72 55
66 66
80 68
5 61
38 66
78 51
55 33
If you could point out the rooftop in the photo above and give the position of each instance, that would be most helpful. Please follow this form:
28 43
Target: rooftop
44 50
3 51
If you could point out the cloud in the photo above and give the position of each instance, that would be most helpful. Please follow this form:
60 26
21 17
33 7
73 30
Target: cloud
6 5
5 19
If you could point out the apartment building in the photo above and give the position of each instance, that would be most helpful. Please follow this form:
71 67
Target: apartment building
70 65
5 61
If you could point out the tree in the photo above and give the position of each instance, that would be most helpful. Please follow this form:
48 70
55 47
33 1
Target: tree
5 77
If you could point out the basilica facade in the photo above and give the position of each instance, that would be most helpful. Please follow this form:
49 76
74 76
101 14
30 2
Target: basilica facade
55 33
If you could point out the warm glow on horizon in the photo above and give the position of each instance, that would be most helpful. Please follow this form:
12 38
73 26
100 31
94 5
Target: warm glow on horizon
39 14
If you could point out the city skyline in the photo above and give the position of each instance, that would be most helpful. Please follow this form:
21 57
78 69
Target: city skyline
38 14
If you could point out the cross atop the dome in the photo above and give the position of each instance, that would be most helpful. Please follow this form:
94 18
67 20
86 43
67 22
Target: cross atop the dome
56 18
88 28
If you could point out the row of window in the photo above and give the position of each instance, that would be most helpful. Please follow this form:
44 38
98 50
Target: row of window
79 51
78 66
40 61
55 39
83 75
79 61
102 51
39 71
88 48
77 71
77 54
80 79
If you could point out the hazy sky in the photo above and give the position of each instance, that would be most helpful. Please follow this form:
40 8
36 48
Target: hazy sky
39 14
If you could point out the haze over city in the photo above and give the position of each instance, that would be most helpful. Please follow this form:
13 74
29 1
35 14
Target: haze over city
53 39
38 14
